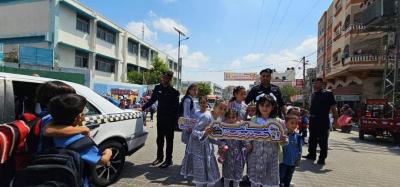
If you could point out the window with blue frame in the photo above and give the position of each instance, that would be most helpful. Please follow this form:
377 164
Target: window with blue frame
105 34
104 64
82 24
81 59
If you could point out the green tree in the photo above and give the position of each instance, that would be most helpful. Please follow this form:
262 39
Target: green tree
204 89
150 77
288 91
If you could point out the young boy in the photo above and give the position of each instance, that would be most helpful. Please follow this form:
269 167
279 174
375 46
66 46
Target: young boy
291 151
67 110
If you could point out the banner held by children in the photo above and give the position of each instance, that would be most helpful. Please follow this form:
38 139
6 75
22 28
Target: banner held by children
186 123
247 130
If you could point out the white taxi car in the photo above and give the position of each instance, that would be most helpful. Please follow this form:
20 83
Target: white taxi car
120 130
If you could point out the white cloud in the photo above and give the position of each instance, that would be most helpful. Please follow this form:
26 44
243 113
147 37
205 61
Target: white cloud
235 64
137 28
167 25
189 59
252 57
279 60
152 14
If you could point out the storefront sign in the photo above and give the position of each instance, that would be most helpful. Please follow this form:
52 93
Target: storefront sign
229 76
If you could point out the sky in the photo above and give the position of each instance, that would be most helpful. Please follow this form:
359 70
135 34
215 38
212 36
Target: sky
224 35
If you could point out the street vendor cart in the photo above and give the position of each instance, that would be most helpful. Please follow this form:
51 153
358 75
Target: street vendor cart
374 122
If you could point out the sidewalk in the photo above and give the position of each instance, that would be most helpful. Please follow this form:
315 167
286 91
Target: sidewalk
351 162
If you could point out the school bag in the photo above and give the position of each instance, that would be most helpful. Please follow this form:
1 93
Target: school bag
14 147
180 108
56 166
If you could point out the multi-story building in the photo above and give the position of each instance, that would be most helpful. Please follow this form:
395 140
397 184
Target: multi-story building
281 78
216 89
79 37
227 92
350 58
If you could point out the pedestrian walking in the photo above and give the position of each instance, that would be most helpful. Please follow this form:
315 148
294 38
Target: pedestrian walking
167 117
265 87
263 161
305 121
188 109
322 102
291 151
199 161
234 157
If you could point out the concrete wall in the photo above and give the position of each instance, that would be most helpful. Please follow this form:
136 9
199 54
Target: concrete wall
105 48
66 56
24 18
68 33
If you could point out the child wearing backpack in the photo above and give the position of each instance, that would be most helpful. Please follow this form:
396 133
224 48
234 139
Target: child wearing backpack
291 151
67 110
187 110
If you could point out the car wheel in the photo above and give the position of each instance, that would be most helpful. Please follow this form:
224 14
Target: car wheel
361 135
106 175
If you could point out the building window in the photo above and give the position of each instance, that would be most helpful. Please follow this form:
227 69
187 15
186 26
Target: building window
171 64
144 52
105 34
82 24
132 67
346 23
335 57
133 47
81 59
103 64
176 66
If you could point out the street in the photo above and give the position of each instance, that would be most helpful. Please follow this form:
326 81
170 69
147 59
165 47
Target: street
351 162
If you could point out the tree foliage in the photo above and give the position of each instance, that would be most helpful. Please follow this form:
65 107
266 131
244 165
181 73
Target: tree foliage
204 89
149 77
288 91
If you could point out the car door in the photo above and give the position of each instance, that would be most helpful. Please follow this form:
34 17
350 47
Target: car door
7 108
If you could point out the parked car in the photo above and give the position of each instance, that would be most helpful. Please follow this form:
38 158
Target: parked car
120 130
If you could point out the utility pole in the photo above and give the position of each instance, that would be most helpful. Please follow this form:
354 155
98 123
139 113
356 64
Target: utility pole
179 54
304 81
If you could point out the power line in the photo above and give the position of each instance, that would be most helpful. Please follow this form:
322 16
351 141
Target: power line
272 23
258 24
280 23
299 24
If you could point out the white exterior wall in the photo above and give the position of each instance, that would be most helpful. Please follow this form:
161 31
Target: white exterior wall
66 56
24 18
105 48
131 58
68 33
142 61
104 76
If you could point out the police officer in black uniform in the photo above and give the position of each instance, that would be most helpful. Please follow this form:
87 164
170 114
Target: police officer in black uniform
167 117
322 102
266 87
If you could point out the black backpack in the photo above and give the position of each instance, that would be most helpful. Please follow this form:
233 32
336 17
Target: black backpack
180 109
56 167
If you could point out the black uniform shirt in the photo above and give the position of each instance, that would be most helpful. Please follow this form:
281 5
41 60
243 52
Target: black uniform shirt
260 89
321 103
168 101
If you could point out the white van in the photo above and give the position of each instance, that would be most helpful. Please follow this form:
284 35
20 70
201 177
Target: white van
120 130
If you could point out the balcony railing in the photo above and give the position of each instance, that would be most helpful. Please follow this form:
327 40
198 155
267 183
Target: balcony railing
364 58
354 28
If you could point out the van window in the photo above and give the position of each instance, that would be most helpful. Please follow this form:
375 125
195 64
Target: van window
91 110
24 97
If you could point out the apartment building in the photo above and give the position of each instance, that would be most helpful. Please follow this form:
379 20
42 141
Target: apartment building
80 38
350 58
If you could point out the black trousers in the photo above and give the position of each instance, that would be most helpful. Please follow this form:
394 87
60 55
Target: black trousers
165 132
286 174
318 136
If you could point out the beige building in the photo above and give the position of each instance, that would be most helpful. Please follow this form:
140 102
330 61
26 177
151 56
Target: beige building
350 57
